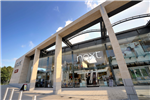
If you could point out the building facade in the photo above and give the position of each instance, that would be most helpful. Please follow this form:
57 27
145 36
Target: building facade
123 57
96 58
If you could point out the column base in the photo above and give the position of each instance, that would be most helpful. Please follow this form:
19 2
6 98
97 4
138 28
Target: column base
56 92
32 86
130 90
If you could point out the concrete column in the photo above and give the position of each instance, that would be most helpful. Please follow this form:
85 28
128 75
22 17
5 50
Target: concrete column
24 71
58 66
128 84
34 69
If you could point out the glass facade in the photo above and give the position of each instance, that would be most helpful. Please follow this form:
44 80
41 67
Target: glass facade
85 67
45 72
136 52
80 68
96 65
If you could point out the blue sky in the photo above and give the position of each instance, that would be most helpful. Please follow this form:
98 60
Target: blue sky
26 24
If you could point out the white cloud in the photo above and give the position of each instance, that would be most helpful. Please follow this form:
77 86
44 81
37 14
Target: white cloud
9 60
93 3
15 59
22 46
68 22
59 28
56 8
31 44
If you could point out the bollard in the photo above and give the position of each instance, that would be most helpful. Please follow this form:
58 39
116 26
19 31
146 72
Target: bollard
20 96
11 95
34 97
5 94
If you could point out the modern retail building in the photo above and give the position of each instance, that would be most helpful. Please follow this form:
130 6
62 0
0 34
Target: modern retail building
124 55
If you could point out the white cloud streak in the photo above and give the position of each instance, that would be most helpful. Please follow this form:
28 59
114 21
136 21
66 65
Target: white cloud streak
56 8
59 28
15 59
9 60
66 23
31 45
22 46
93 3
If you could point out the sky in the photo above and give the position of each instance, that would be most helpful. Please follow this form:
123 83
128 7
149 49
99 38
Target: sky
25 24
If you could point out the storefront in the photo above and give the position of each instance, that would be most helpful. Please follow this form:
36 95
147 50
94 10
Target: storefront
77 65
93 65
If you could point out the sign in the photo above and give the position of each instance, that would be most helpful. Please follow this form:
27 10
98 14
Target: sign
89 56
16 71
18 63
25 87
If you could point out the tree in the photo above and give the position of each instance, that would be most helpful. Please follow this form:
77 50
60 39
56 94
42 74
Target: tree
6 73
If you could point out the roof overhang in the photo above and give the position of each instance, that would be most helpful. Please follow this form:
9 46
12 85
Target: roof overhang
112 8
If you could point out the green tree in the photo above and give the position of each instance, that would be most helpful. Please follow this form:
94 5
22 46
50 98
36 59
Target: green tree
6 73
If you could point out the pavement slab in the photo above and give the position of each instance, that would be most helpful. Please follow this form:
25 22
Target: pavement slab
95 93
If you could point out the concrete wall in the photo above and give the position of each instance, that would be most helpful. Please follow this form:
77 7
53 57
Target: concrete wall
16 76
21 75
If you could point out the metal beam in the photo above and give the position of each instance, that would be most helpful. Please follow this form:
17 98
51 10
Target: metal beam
67 43
103 30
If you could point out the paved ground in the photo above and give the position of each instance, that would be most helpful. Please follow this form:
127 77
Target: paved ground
97 93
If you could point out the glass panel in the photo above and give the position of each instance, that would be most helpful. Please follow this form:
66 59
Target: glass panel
144 72
90 66
136 52
87 34
132 73
145 42
137 72
45 72
67 75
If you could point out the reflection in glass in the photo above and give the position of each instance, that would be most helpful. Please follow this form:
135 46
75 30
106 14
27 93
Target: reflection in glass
144 72
136 52
45 72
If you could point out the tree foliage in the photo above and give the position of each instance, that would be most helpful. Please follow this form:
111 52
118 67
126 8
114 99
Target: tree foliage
6 73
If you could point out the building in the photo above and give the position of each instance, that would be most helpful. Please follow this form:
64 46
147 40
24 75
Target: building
125 55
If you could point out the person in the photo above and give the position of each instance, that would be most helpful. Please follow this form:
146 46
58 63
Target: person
94 79
110 81
88 79
65 83
107 79
98 79
79 80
